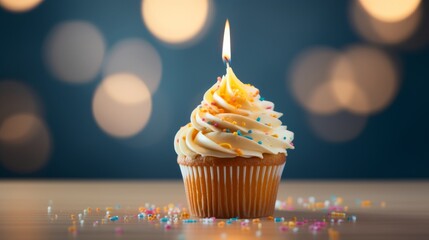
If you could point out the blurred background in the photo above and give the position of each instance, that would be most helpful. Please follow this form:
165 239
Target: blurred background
98 89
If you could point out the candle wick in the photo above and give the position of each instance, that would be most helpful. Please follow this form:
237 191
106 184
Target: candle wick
226 61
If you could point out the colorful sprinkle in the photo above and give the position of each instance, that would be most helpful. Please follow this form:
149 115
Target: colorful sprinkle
250 131
258 119
259 142
225 145
248 137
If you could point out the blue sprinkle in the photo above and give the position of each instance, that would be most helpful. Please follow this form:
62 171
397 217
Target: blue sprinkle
189 221
279 219
209 122
234 219
228 222
227 130
258 119
114 218
140 215
248 137
250 131
261 99
239 132
260 142
164 219
284 138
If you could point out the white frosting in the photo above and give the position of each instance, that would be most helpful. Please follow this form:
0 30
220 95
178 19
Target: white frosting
233 120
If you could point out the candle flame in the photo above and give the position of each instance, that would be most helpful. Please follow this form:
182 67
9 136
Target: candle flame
226 48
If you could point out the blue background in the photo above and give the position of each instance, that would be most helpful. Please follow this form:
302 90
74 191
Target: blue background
266 38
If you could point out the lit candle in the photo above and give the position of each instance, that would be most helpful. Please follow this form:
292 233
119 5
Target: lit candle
226 48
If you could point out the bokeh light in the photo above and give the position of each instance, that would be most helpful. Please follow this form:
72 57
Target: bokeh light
364 79
16 97
25 143
390 10
74 51
19 5
122 105
176 22
339 127
137 57
377 31
310 80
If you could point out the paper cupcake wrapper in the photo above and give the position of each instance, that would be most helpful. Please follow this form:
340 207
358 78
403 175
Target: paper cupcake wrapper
232 191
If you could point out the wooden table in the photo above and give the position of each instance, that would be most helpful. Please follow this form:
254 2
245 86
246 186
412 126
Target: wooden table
384 210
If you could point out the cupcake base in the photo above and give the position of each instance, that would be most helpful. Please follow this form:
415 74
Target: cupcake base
236 187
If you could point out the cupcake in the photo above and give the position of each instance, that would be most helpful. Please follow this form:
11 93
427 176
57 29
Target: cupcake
233 152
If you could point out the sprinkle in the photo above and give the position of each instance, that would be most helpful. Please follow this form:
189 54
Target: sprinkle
228 222
190 221
119 231
283 228
114 218
279 219
261 99
164 219
221 224
256 220
203 119
238 151
366 203
234 122
227 130
167 227
239 133
268 124
225 145
234 219
140 215
259 142
234 133
250 131
275 135
284 138
72 229
258 119
269 107
248 137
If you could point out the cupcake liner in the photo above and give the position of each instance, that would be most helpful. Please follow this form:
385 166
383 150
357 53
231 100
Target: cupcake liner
244 191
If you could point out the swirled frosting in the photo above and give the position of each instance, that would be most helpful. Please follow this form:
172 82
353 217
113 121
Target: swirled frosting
233 120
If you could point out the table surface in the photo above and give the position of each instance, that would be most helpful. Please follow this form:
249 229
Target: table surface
383 210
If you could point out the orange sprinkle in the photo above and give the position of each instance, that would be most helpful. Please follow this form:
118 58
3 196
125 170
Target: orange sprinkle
275 135
256 220
221 224
234 122
269 124
189 124
234 133
72 229
271 218
239 152
333 234
225 145
366 203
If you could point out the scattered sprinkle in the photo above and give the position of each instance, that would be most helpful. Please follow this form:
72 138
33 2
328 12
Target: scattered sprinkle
259 142
248 137
258 119
250 131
